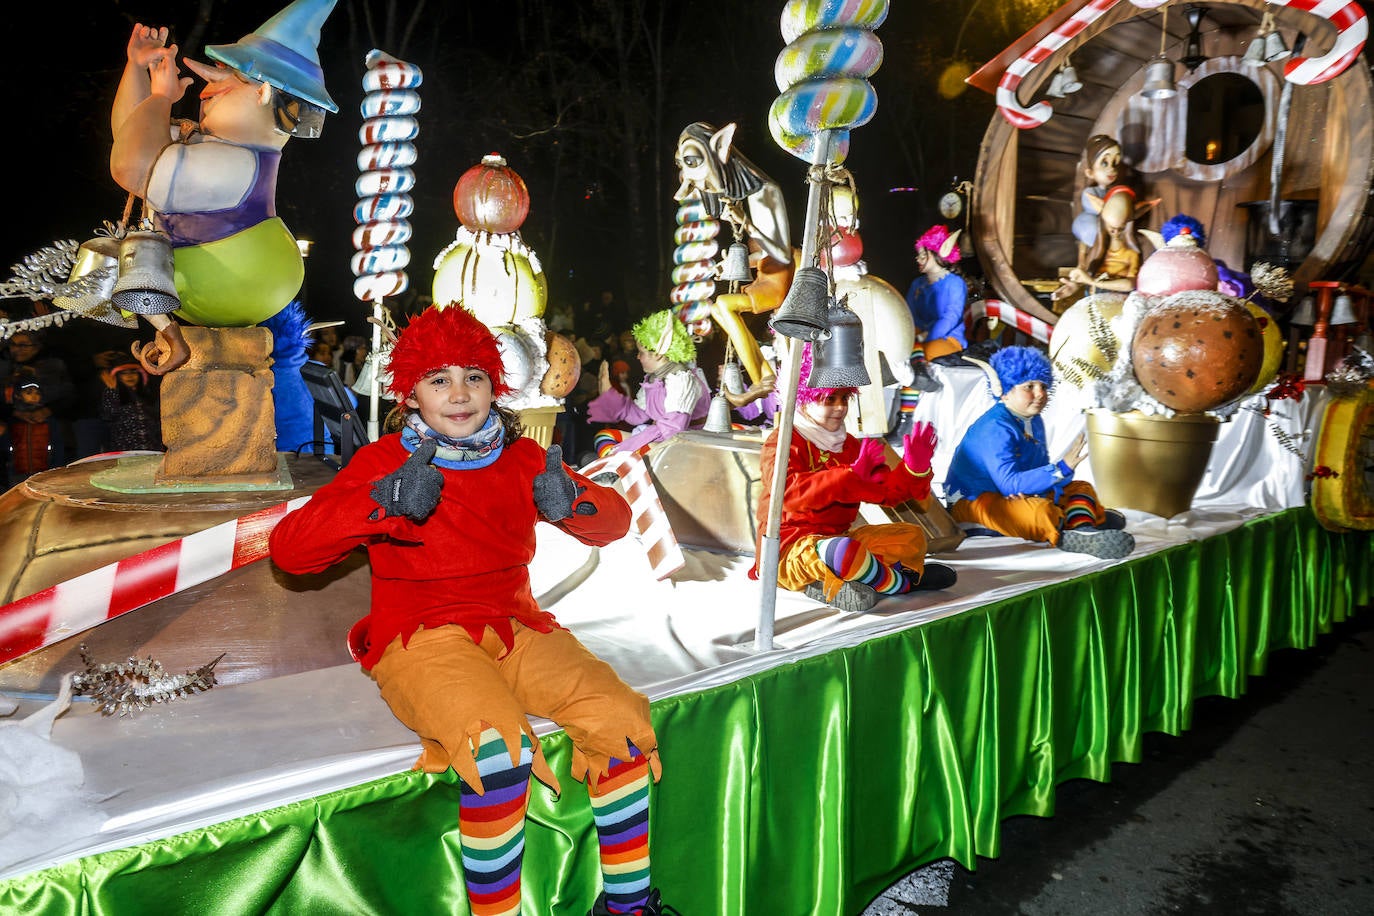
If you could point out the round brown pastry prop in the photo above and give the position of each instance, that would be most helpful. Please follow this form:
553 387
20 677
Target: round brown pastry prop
1197 350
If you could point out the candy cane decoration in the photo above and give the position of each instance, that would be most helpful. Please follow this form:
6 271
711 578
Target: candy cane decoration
694 273
89 600
1352 29
1037 54
389 105
1007 313
823 73
647 517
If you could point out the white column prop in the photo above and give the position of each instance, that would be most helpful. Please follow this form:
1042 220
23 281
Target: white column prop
389 105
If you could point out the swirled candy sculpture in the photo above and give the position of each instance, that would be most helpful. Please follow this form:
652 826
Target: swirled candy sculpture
694 265
389 106
823 73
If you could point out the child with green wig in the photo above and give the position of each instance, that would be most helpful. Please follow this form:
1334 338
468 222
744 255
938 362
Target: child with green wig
674 395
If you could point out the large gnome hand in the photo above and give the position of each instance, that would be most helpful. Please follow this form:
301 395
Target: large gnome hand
555 494
413 489
918 448
869 465
168 350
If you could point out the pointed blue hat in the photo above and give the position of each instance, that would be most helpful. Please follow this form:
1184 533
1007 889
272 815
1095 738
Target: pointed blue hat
284 53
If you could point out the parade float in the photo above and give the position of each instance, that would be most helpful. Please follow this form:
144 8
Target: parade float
283 787
1248 115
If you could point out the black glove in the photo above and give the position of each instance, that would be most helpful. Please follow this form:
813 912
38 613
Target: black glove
412 489
555 494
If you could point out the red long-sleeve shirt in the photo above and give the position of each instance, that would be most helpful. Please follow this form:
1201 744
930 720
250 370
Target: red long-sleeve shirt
466 564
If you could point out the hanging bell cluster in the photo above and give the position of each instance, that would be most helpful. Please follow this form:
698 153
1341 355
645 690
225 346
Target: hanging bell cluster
98 262
735 267
837 359
147 275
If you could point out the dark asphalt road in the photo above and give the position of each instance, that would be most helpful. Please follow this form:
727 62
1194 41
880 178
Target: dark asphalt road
1265 807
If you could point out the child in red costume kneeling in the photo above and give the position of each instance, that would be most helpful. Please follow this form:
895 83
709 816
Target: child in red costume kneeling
829 473
446 510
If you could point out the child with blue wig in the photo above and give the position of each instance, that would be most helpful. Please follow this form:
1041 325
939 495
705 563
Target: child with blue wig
1002 478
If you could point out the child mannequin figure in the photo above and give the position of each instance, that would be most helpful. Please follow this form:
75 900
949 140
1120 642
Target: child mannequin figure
1001 476
446 510
1101 169
673 397
829 473
1113 261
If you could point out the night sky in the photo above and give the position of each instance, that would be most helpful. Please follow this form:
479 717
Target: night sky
474 57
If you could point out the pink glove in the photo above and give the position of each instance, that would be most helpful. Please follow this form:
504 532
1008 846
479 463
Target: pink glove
869 465
918 448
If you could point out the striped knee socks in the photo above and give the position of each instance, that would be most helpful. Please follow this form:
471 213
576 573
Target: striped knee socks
620 805
853 562
492 826
1080 511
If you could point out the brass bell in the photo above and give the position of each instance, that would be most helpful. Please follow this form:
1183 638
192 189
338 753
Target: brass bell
735 267
147 275
1159 79
837 360
802 314
718 415
97 261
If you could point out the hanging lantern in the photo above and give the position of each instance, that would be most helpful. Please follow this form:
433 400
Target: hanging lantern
491 197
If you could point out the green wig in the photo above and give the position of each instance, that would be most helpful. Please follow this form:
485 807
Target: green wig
664 334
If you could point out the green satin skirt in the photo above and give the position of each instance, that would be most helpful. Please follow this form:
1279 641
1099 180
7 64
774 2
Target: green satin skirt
808 788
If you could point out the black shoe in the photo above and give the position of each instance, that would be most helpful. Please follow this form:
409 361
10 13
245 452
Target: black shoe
654 906
936 575
853 597
922 380
1103 543
1114 521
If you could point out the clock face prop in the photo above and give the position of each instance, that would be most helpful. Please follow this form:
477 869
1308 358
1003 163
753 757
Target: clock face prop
951 205
1343 465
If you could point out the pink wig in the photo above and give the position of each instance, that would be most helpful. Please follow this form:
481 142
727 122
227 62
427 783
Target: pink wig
936 238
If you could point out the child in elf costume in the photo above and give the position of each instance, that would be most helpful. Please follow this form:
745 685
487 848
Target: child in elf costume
446 510
829 473
1001 476
673 397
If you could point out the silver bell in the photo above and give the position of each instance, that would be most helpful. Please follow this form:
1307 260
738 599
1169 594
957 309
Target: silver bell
732 378
802 312
97 262
718 416
837 361
1159 79
147 275
735 267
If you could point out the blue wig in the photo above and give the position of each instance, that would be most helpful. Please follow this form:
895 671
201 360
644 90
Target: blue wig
1015 365
1182 221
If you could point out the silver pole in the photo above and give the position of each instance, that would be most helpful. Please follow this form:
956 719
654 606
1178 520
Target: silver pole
768 563
373 425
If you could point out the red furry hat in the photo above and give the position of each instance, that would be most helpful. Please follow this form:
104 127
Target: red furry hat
443 336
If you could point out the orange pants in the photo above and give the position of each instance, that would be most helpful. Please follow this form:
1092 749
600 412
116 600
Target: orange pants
800 564
1034 518
448 690
942 346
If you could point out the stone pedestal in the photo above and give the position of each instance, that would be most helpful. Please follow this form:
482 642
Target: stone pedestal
217 417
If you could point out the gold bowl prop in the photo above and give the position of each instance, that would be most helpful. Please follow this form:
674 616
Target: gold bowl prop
1150 463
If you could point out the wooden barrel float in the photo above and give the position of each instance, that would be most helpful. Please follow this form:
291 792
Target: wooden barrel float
1028 181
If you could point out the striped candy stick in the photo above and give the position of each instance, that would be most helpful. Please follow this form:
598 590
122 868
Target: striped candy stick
1007 102
1010 314
647 517
88 600
1352 29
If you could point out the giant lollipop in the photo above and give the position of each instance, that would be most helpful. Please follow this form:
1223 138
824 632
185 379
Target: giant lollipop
823 73
694 265
389 105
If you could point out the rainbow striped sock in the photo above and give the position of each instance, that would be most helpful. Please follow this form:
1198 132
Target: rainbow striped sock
1080 511
853 562
620 805
606 440
492 826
